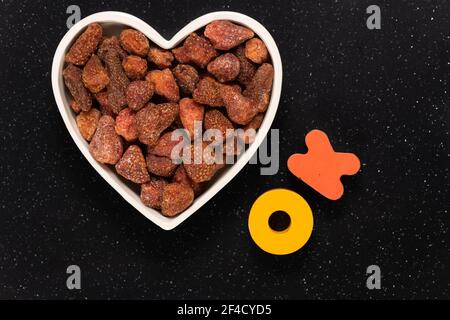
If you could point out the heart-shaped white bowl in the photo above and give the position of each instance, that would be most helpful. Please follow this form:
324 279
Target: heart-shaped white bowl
113 22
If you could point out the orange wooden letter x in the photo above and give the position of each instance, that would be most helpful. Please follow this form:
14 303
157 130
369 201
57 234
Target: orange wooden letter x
321 167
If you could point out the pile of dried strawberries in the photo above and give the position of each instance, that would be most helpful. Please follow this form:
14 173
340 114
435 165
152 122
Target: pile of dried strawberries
129 95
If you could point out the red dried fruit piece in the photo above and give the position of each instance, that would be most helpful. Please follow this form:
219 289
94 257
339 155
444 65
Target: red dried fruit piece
256 51
190 112
106 146
254 124
126 125
85 45
118 81
87 123
200 166
247 70
154 119
134 42
208 92
240 109
196 49
135 67
176 198
164 146
260 87
160 166
138 93
182 177
102 99
225 67
214 119
225 35
75 106
187 77
161 58
94 75
165 84
132 165
111 43
72 79
151 192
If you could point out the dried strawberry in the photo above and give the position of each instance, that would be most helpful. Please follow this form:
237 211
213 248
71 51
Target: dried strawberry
225 67
94 75
225 35
72 78
201 165
102 99
75 106
85 45
190 113
135 67
154 119
134 42
161 58
165 145
208 92
176 198
214 119
106 145
111 43
151 192
182 177
240 109
256 51
126 125
132 165
196 49
247 70
138 93
160 166
165 84
87 122
118 81
260 87
187 77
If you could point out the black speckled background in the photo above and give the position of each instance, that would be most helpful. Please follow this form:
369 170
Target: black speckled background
382 94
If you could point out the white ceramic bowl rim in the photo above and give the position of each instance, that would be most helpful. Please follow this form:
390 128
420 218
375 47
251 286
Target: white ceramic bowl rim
113 17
